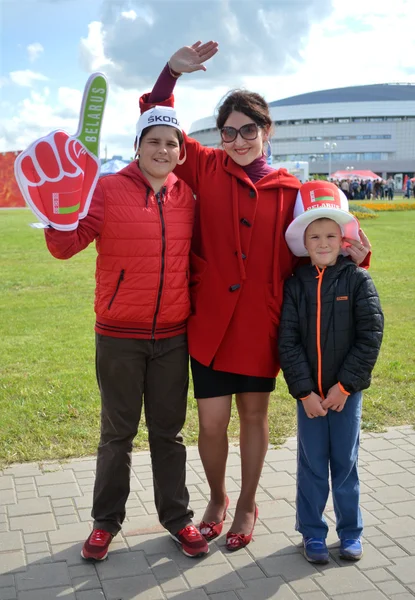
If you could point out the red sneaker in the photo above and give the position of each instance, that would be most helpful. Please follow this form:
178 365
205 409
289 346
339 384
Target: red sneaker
96 546
191 541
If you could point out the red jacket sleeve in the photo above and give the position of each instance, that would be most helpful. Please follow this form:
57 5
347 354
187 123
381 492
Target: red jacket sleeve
146 103
164 86
366 262
64 244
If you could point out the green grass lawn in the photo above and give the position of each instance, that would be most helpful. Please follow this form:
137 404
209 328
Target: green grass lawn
49 404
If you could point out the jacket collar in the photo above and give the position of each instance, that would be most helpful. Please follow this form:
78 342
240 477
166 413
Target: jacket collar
309 271
277 179
133 172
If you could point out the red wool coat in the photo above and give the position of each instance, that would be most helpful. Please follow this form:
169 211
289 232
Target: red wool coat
239 260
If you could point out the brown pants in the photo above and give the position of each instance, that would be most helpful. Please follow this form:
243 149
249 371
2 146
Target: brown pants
129 370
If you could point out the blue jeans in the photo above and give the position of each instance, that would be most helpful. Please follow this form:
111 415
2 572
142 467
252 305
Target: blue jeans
331 440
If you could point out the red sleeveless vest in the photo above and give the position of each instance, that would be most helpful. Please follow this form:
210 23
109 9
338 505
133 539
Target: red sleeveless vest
142 271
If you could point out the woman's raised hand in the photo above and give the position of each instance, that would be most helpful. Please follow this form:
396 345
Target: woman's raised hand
191 58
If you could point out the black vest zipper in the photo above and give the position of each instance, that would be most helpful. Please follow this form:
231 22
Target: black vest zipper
120 278
160 197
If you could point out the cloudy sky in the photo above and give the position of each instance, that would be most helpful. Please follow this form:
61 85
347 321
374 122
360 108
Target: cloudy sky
279 48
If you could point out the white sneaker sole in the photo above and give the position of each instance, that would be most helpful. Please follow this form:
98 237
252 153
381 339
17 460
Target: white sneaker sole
92 557
318 561
350 557
178 542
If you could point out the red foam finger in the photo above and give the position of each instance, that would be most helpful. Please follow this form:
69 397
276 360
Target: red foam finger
64 152
46 158
77 152
90 168
29 170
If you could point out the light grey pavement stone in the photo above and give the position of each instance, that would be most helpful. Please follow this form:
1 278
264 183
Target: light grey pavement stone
33 523
342 581
90 595
36 506
6 482
273 588
189 595
8 593
11 541
60 491
144 587
48 594
12 562
7 496
45 518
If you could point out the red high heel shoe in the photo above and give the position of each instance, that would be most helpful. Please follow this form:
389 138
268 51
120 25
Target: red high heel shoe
212 530
236 541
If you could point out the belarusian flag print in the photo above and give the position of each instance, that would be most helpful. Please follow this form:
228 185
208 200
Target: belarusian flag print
322 195
58 173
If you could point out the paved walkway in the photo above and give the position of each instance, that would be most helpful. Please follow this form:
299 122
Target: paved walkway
45 516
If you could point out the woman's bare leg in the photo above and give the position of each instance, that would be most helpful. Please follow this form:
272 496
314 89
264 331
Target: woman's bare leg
253 415
214 415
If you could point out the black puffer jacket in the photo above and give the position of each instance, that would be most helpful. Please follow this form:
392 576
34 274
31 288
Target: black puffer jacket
331 329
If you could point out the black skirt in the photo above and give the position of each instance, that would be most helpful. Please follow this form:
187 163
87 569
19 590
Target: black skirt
209 383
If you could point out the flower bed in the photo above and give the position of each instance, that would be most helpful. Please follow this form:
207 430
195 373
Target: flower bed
387 206
360 211
363 215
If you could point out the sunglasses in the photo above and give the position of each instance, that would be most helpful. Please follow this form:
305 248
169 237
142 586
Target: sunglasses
247 132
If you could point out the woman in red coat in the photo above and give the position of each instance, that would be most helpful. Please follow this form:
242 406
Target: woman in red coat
239 261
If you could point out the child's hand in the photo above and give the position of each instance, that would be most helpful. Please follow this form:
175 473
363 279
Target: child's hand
336 399
313 406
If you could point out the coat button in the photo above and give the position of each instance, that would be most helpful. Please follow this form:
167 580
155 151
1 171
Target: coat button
245 222
252 194
242 254
234 287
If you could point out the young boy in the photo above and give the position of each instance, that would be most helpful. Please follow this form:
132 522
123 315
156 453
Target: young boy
330 335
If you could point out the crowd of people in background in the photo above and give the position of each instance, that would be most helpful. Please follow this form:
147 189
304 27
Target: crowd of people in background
379 189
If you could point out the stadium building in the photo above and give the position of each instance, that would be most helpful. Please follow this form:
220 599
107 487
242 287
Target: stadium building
368 127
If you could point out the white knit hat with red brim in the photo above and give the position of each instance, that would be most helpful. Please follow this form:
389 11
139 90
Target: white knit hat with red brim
319 200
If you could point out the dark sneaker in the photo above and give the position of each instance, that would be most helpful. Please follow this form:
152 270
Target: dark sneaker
96 546
351 549
191 541
315 550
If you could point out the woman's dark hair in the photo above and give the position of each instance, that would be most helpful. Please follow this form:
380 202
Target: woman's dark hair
147 130
250 104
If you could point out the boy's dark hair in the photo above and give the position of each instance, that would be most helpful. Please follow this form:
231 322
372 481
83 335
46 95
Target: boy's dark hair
147 130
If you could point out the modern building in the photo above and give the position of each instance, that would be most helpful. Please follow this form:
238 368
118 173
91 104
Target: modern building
368 127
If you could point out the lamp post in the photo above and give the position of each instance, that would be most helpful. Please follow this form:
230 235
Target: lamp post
349 169
330 146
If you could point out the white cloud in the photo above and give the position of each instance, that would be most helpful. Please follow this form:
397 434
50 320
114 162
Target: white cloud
92 48
26 78
34 51
359 43
254 35
130 14
35 116
336 44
